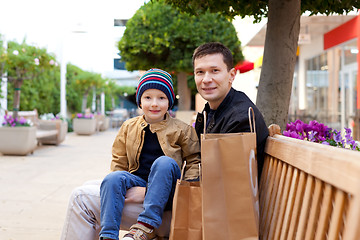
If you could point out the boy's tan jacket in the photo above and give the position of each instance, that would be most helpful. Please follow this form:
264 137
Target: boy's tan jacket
177 139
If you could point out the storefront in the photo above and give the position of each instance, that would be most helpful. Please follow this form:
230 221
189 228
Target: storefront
331 93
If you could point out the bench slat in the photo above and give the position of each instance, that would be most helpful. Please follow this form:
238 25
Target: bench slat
314 210
304 214
324 213
337 215
284 200
274 196
277 205
289 205
296 209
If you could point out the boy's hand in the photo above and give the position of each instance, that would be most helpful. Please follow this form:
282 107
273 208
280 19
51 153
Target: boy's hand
135 195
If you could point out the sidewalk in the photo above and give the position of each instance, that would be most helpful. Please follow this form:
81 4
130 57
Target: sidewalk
35 189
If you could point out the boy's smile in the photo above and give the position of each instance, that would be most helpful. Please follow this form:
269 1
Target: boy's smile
155 104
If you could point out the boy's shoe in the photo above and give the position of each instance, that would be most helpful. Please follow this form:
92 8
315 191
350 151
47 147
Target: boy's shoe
140 232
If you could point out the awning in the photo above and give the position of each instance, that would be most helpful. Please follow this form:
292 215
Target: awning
244 66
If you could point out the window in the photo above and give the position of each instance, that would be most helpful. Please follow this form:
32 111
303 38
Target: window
118 64
120 22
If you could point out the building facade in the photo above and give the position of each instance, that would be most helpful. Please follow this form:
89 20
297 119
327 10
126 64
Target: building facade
326 83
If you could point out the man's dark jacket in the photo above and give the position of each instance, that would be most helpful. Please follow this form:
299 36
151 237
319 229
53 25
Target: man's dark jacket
232 117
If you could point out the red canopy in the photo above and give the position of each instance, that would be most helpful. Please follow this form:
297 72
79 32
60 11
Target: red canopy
244 66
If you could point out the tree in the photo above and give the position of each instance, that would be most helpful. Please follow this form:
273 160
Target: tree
280 43
80 84
25 63
162 37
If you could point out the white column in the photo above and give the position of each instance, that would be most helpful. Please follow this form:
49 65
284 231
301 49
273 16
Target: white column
63 107
3 99
93 103
302 83
102 97
342 90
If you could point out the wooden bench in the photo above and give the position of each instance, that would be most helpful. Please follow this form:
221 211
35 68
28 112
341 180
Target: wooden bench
309 191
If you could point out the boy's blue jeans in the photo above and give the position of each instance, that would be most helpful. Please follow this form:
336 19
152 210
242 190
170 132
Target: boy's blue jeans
160 191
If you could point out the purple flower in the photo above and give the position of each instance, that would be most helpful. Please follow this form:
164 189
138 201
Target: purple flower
79 115
11 122
348 131
337 136
22 121
311 136
320 133
353 145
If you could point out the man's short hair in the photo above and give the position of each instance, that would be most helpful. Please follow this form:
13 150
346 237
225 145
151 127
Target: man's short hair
214 48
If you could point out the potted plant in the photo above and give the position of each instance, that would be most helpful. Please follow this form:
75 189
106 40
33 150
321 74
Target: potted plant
320 133
84 124
21 62
17 136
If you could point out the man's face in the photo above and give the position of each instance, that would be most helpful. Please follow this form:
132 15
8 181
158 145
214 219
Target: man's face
213 80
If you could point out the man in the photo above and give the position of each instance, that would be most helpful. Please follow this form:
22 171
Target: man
226 110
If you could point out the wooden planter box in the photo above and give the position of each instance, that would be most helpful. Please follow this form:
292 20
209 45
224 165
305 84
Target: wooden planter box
84 126
17 140
60 126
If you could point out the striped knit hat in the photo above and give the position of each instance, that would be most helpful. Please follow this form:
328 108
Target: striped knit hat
156 79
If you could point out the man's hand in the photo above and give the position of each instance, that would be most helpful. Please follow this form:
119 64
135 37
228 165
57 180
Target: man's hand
135 195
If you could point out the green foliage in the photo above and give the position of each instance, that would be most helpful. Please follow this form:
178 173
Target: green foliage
24 61
43 93
160 36
36 71
259 9
80 82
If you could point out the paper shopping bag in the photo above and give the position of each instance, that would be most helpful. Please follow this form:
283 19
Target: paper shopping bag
229 185
186 213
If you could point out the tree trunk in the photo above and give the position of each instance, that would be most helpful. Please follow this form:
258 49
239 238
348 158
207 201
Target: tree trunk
17 91
184 92
277 72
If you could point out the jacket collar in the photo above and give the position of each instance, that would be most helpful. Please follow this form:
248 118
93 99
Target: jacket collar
155 126
223 105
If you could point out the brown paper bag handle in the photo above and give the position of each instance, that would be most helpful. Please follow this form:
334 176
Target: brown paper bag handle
251 110
204 132
183 170
251 123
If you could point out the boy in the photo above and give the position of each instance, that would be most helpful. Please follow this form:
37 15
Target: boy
148 151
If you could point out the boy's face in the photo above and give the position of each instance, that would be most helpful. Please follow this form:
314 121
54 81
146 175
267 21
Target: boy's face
213 80
154 104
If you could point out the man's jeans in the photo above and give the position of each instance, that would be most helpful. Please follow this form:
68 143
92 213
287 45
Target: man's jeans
160 191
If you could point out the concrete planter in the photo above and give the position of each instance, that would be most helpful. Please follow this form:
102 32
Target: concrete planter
59 125
84 126
17 140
